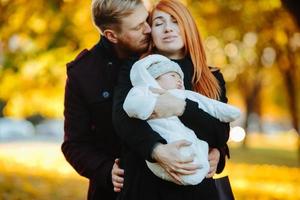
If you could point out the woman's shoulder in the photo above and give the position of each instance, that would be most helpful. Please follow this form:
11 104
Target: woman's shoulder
219 76
214 69
217 73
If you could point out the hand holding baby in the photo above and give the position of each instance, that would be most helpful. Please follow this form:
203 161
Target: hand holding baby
167 105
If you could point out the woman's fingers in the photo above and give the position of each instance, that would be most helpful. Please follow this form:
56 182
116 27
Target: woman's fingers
186 159
212 169
157 90
169 157
176 178
213 158
186 169
185 172
188 166
182 143
211 172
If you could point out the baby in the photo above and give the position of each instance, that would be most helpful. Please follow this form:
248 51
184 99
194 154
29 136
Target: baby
157 71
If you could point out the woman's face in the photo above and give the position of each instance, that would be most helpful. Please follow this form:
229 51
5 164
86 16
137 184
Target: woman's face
166 35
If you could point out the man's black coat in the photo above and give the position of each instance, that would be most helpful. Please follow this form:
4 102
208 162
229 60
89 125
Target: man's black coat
90 143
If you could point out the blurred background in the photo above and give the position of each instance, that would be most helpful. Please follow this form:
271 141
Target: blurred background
256 43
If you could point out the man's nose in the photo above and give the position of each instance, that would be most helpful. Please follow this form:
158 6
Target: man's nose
147 28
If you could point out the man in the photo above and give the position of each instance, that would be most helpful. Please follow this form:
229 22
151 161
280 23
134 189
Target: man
90 143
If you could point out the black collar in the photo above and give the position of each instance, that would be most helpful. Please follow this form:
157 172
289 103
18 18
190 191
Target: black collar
108 48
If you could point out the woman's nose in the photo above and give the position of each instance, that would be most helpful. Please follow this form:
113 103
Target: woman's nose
168 27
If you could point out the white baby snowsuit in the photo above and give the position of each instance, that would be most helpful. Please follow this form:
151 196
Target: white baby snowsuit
140 103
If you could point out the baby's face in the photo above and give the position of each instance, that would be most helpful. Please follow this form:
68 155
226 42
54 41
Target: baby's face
170 80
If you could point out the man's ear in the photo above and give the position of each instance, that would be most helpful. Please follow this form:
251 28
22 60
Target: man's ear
111 35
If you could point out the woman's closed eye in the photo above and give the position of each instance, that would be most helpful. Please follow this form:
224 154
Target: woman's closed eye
158 23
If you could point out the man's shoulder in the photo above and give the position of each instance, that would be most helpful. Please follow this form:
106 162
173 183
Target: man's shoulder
83 56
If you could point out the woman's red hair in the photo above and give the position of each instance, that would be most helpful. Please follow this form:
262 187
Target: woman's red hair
203 80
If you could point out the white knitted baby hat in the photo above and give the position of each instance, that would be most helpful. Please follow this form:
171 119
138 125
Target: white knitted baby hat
140 75
160 67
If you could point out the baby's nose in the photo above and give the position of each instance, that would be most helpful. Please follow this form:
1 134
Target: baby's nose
180 84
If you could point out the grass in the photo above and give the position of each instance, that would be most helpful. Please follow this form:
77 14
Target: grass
264 182
264 156
42 186
38 171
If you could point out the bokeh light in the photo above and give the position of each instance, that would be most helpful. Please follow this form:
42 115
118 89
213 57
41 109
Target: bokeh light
237 134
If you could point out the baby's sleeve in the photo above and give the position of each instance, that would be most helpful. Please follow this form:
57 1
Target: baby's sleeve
222 111
139 102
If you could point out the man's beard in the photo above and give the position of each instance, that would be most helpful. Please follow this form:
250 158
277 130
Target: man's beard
133 50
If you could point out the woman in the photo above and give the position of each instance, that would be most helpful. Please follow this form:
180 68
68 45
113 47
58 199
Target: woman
175 35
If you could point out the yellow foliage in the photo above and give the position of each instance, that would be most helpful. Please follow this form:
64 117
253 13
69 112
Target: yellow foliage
281 37
37 24
38 87
209 7
269 5
37 39
8 84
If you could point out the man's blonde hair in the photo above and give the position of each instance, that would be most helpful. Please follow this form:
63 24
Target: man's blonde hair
108 13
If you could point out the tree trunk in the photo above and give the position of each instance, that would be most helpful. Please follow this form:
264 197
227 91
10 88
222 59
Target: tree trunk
251 99
290 81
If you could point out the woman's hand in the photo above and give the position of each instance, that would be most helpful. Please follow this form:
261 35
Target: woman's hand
117 175
213 158
168 156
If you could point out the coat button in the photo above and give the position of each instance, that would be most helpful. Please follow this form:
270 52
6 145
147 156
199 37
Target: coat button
109 64
105 94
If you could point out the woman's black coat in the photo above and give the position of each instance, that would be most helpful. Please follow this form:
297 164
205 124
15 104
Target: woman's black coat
140 183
